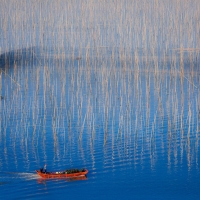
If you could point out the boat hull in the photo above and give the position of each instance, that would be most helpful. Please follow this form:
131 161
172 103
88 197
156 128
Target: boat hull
61 175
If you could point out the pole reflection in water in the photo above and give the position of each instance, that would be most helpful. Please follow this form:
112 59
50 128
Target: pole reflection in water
45 180
75 92
99 106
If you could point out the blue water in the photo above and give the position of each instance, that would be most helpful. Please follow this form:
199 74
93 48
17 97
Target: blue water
131 150
101 89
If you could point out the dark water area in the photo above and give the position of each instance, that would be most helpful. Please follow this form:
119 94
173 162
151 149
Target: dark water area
110 86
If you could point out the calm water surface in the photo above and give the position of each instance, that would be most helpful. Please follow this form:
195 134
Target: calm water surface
137 140
101 89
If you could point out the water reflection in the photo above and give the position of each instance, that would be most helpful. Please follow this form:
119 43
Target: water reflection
45 180
81 110
112 87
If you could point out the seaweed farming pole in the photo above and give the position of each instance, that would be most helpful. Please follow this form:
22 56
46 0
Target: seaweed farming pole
190 82
182 50
10 77
37 58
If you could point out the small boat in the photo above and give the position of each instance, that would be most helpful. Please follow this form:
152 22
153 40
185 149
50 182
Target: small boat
63 174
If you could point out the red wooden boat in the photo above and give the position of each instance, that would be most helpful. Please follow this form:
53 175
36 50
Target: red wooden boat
62 174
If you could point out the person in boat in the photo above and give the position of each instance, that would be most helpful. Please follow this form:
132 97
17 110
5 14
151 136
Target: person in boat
45 169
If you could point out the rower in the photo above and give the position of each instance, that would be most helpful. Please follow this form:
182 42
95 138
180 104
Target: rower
45 168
